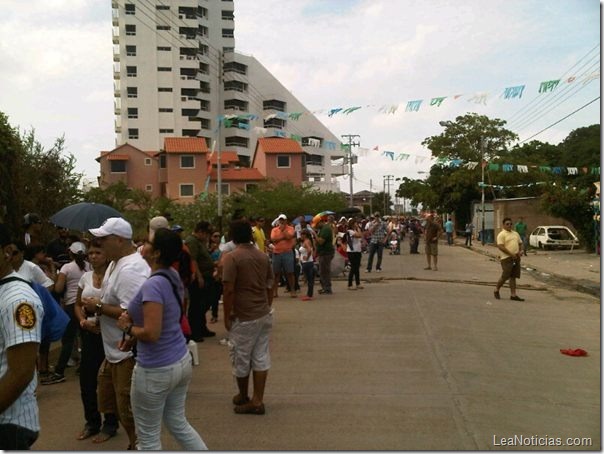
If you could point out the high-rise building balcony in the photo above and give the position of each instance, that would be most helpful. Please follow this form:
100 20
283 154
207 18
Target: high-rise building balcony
115 16
117 88
116 35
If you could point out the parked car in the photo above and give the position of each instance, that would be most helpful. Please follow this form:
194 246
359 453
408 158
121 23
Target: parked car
553 236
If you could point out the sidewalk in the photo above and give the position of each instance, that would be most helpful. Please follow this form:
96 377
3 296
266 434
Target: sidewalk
576 269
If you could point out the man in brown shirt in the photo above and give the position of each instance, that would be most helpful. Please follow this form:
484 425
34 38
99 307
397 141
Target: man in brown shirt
247 279
432 232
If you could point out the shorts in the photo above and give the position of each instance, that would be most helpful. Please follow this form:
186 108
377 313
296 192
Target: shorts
432 248
283 263
511 268
249 345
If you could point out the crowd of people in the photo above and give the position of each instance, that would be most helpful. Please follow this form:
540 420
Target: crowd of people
135 308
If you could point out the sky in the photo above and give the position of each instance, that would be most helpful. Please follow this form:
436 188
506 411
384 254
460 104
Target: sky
56 74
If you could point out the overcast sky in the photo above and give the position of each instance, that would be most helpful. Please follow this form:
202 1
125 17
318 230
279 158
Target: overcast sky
56 72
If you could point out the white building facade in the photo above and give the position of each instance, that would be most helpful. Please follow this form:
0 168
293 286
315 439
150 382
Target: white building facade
176 73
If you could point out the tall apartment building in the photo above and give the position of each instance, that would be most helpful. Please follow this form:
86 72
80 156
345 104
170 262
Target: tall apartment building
176 74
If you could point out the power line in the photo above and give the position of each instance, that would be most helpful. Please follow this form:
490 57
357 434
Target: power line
562 119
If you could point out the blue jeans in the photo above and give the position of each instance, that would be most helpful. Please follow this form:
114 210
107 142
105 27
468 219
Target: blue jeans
159 393
373 248
308 268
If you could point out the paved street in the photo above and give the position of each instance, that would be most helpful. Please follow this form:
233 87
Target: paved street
418 360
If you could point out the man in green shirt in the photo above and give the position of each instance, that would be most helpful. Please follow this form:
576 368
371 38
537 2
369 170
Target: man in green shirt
521 228
325 251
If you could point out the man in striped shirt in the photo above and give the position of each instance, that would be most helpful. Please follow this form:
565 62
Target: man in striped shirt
21 314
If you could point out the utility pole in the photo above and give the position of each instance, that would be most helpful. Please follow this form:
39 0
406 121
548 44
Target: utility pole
351 143
482 145
219 155
387 179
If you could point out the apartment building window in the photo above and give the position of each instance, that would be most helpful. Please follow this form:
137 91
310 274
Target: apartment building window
202 12
226 188
162 161
162 27
227 50
132 92
133 112
148 161
117 166
276 123
149 187
186 189
164 48
164 69
131 51
187 161
162 7
190 132
236 104
235 85
166 131
130 9
274 104
130 30
166 109
236 141
204 68
133 133
131 71
203 49
228 33
202 30
205 124
165 89
251 187
204 105
235 67
283 161
228 15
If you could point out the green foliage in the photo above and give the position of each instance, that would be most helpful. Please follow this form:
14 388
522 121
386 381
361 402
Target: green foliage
34 179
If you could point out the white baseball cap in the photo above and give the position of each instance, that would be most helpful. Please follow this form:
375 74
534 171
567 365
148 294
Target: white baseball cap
156 223
114 226
77 247
282 216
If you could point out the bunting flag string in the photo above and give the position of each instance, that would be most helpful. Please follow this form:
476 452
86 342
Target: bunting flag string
522 168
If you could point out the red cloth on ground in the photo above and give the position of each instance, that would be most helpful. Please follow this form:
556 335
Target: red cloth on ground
573 352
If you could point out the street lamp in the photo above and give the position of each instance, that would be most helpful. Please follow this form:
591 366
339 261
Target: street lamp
482 146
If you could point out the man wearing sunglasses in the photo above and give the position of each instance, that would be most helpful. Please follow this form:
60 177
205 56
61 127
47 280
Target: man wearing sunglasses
510 245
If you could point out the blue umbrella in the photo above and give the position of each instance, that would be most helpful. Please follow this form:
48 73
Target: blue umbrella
307 218
83 216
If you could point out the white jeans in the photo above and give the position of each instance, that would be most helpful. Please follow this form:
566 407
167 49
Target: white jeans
160 393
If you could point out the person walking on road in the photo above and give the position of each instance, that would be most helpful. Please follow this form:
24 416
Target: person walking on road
163 369
325 252
432 232
522 228
21 314
510 245
469 232
449 231
378 230
247 279
353 248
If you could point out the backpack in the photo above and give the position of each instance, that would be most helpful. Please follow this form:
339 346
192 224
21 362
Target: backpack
55 319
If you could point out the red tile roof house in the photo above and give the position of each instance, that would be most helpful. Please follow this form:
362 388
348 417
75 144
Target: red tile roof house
179 171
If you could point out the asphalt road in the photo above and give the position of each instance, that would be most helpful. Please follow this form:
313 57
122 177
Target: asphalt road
418 360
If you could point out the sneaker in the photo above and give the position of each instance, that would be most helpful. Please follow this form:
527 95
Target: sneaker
351 288
52 379
306 298
360 287
224 341
72 362
325 292
368 271
379 270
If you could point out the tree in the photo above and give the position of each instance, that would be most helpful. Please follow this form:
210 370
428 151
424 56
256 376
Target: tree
11 149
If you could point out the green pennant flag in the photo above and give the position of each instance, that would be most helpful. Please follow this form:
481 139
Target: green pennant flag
493 166
545 168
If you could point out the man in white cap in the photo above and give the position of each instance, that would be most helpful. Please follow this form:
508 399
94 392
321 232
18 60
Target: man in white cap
156 223
283 238
123 278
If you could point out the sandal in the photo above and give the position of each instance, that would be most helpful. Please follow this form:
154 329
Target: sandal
102 437
87 432
250 409
238 400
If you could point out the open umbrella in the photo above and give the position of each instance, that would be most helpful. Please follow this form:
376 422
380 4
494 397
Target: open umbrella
83 216
319 216
307 218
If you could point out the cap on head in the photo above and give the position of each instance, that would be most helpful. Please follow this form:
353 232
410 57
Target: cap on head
31 218
114 226
177 228
156 223
376 214
78 247
281 216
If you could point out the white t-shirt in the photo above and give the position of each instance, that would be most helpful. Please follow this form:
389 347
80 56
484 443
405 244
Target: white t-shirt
122 281
356 243
72 273
21 314
33 273
88 288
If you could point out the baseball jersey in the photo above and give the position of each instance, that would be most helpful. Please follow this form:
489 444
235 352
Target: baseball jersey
21 314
